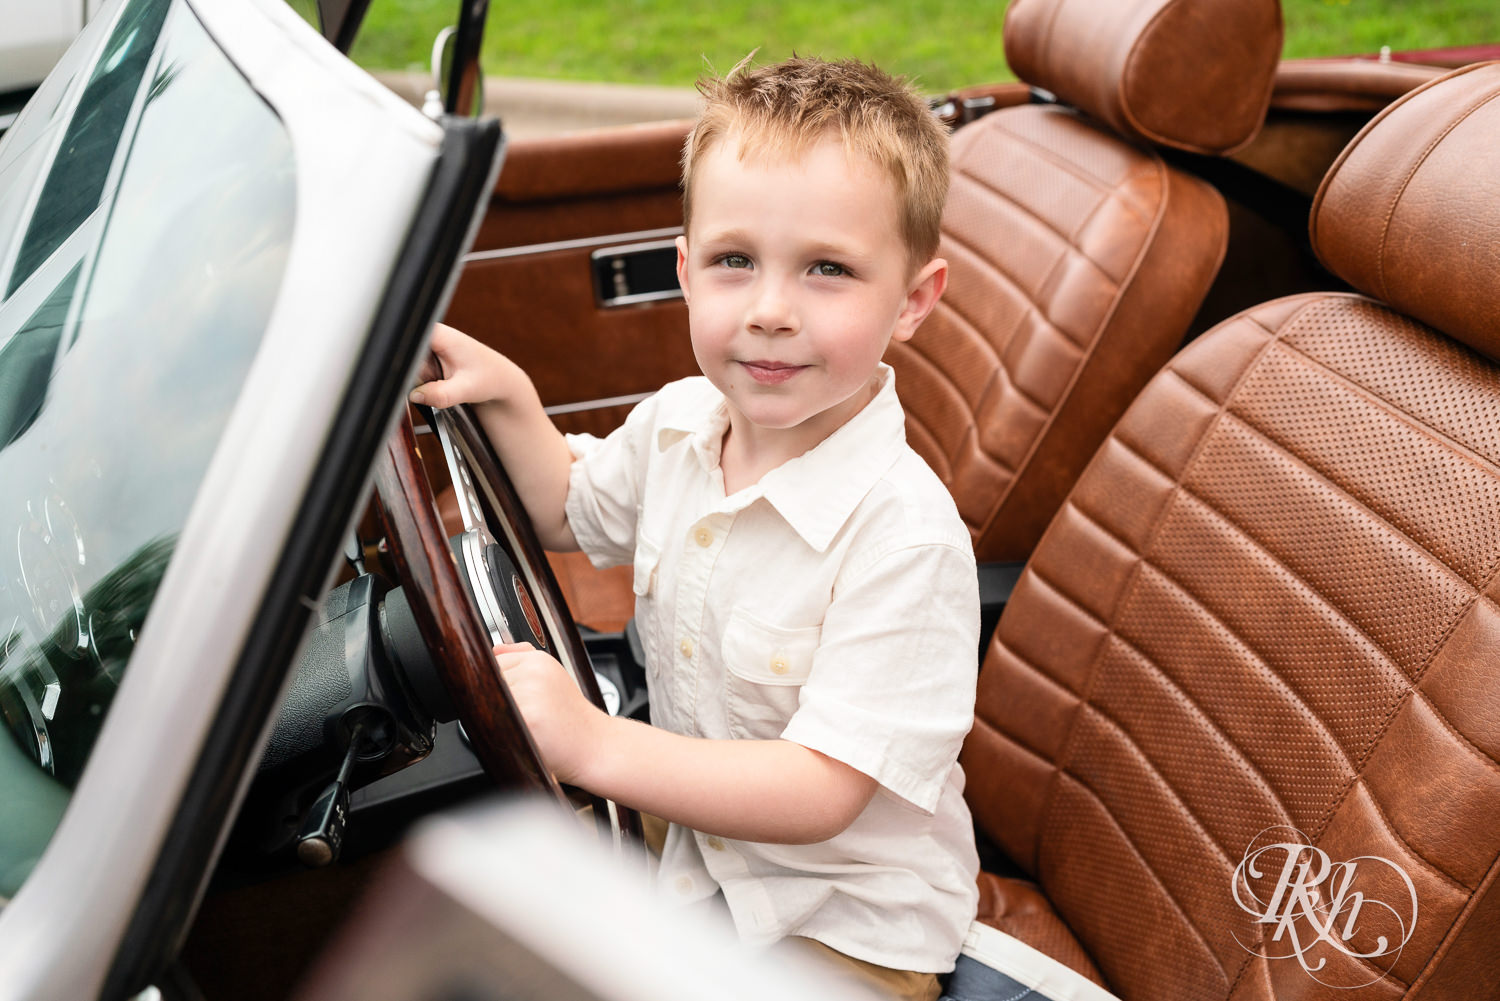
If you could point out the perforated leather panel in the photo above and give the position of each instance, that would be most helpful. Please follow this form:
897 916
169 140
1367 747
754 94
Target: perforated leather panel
1269 604
1077 262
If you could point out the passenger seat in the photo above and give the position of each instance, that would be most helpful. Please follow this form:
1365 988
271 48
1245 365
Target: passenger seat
1078 257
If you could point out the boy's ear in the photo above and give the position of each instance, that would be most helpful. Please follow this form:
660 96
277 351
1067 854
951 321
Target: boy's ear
682 276
926 289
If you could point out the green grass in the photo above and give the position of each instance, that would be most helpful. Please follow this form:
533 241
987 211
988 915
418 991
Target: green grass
1342 27
941 43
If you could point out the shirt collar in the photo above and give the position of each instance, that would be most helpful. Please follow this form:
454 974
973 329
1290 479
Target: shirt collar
817 491
703 424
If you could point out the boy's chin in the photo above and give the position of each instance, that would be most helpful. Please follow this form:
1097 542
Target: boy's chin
774 416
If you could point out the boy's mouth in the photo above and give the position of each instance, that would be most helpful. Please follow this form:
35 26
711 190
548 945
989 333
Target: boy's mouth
771 373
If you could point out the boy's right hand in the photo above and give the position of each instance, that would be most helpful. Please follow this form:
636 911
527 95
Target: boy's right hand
564 724
467 371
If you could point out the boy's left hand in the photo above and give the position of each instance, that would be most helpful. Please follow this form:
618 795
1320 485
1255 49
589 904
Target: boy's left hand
561 719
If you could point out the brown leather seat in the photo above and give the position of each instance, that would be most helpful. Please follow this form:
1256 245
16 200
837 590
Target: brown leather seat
1241 720
1078 256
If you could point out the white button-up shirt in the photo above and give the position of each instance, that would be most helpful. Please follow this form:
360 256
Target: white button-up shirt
834 604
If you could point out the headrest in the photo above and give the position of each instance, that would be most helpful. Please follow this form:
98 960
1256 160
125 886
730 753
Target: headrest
1410 211
1192 74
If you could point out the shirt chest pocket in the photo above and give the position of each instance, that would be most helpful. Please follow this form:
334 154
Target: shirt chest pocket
765 669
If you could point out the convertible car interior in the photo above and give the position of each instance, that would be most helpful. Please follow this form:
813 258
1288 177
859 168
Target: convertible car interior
1256 620
1216 386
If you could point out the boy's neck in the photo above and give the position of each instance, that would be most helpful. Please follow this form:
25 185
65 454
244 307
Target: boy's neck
747 452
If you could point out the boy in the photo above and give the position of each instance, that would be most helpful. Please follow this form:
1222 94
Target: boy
806 591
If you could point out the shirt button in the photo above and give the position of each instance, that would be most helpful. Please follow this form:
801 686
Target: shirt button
717 844
686 646
703 537
684 884
779 664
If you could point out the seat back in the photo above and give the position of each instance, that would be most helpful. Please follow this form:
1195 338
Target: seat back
1078 257
1241 718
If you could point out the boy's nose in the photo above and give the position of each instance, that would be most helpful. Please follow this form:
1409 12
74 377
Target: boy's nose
772 311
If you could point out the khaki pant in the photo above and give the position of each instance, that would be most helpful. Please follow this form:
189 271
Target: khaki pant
901 985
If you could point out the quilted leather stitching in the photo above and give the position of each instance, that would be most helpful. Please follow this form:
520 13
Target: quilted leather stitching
1151 872
969 463
1435 627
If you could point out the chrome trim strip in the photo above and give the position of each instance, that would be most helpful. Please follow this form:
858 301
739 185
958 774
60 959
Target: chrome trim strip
477 537
640 297
610 401
579 244
633 248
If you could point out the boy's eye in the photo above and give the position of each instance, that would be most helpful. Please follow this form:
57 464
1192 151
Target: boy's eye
828 269
735 261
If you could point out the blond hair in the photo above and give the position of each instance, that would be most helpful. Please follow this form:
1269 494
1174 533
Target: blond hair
788 107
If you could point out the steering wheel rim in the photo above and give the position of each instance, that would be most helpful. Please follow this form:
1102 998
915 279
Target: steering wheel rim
457 631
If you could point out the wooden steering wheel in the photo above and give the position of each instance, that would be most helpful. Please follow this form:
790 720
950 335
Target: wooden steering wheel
491 584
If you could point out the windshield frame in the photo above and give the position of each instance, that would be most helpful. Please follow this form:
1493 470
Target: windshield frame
260 541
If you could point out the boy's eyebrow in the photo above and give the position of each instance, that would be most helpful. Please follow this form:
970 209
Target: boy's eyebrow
815 248
734 236
836 251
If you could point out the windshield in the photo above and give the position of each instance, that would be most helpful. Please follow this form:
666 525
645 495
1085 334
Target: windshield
128 321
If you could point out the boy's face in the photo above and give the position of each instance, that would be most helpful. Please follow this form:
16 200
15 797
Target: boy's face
797 278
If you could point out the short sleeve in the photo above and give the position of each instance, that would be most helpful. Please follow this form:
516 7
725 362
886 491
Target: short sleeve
605 485
891 690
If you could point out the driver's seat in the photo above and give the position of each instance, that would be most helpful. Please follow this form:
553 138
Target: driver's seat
1241 719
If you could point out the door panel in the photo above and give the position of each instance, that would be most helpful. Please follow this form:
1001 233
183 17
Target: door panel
539 309
528 288
586 184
